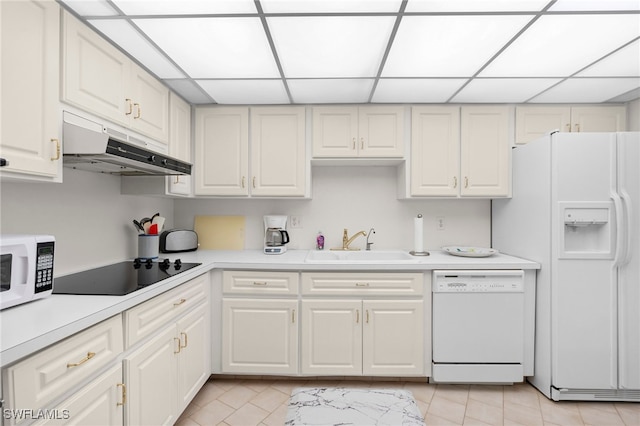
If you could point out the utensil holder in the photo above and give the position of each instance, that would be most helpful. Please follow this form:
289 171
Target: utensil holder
148 246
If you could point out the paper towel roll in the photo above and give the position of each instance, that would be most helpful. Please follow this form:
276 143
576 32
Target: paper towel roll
418 234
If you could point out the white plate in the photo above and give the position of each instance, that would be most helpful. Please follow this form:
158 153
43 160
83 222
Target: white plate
470 251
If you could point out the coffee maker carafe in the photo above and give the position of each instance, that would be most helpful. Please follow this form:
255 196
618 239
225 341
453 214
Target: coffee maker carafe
275 234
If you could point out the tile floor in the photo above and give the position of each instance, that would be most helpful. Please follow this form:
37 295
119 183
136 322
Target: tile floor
263 401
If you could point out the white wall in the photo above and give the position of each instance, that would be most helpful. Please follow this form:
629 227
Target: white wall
91 221
633 116
356 198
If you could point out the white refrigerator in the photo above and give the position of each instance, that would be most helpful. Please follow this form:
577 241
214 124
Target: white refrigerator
576 210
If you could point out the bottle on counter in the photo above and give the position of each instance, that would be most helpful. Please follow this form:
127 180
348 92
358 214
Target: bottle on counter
320 241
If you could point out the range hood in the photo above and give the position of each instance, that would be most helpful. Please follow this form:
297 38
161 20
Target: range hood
88 145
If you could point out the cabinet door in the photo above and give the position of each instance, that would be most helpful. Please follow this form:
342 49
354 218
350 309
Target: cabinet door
95 74
151 380
533 122
29 79
393 338
194 360
179 141
435 151
331 337
278 151
335 131
381 131
222 151
100 403
598 119
150 105
485 161
259 336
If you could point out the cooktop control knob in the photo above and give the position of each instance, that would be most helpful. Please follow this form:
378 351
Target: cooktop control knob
149 263
136 263
152 158
164 265
178 264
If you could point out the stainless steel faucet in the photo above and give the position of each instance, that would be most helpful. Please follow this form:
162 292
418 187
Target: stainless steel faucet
371 231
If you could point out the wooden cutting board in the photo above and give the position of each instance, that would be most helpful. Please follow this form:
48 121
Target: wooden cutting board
220 232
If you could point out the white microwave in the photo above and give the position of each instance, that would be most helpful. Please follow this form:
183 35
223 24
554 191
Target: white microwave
26 268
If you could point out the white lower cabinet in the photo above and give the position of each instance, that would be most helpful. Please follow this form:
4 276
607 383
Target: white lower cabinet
363 337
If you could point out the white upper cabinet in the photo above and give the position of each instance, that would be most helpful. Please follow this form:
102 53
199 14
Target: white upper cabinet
460 151
533 122
29 78
279 165
179 142
366 131
100 79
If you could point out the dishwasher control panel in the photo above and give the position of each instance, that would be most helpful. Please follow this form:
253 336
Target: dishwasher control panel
478 281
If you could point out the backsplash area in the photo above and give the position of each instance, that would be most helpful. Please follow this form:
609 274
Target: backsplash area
91 221
357 198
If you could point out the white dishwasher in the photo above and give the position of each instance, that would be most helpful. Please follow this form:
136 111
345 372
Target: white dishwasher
478 326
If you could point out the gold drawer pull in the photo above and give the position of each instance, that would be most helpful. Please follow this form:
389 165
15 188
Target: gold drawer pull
354 143
57 142
186 342
82 361
130 105
139 114
179 346
367 311
180 302
362 284
466 182
262 283
455 181
357 316
124 394
293 316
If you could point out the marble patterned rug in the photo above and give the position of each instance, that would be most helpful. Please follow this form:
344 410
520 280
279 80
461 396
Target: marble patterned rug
352 406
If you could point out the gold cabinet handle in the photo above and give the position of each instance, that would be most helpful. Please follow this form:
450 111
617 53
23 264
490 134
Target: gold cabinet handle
243 178
357 316
186 341
82 361
577 126
466 182
367 311
455 182
260 283
57 142
180 302
177 179
254 182
123 387
179 346
354 143
293 316
362 284
139 114
361 143
130 104
568 126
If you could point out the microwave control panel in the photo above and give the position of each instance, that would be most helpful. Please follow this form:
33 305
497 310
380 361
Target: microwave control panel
44 266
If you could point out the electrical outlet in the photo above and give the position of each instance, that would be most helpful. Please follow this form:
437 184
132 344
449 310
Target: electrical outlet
295 222
440 223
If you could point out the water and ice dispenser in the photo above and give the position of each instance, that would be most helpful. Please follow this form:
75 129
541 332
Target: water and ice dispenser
587 230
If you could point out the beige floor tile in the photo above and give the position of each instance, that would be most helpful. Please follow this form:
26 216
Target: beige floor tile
561 413
446 409
433 420
270 399
492 395
247 415
212 413
456 393
629 412
600 413
523 394
525 415
421 391
278 416
209 392
187 422
237 396
473 422
486 413
286 386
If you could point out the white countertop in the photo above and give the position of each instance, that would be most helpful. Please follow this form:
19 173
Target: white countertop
28 328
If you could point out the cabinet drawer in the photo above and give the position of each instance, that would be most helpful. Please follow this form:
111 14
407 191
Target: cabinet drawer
41 378
248 282
358 284
147 317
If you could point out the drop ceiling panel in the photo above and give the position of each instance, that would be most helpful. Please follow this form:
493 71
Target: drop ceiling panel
330 90
475 5
184 7
591 90
448 46
190 91
561 45
421 90
323 47
623 63
503 90
214 47
245 91
330 6
91 8
594 5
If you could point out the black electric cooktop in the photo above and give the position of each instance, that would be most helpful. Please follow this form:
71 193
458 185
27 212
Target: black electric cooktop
120 278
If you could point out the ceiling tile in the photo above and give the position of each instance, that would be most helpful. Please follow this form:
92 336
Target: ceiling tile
475 5
594 90
214 47
190 91
122 33
503 90
245 91
560 45
416 90
91 7
326 47
593 5
330 90
330 6
623 63
185 7
448 46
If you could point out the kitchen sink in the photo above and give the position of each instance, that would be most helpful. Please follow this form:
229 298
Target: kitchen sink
382 256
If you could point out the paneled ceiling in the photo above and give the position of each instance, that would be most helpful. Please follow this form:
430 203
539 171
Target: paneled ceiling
379 51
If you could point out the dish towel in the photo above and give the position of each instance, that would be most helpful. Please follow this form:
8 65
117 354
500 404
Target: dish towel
352 406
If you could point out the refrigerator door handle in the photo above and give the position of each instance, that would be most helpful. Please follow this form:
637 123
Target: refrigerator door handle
626 201
620 246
